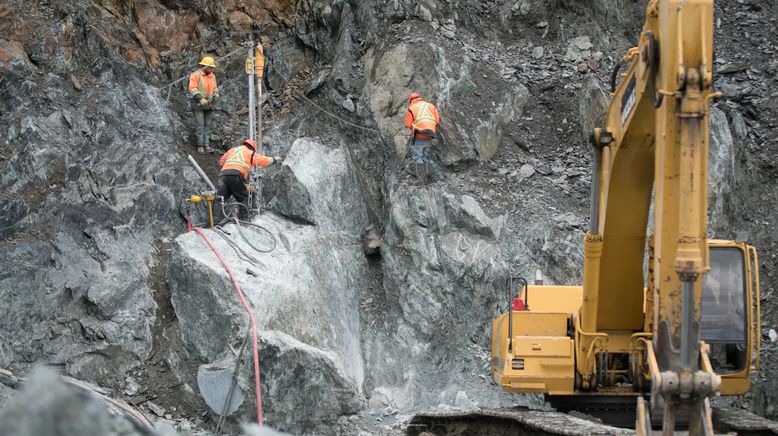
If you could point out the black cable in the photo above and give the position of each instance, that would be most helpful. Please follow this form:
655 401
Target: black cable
272 238
652 58
615 74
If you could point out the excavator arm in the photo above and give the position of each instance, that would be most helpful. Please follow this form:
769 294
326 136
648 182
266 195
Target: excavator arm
656 138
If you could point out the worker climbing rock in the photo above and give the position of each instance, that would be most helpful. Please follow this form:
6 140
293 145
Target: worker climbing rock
422 118
235 165
203 91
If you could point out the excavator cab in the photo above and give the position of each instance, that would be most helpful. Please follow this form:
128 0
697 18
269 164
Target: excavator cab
729 307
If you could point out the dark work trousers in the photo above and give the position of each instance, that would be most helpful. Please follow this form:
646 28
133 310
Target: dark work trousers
232 185
203 119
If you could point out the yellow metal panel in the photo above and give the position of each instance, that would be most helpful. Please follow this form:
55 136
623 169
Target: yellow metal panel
542 346
619 340
548 366
554 299
539 324
735 385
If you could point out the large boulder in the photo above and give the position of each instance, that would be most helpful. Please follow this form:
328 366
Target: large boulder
306 287
47 406
390 80
317 184
305 389
302 281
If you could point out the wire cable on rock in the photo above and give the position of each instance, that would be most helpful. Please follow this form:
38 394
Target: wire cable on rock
245 304
337 117
240 252
325 111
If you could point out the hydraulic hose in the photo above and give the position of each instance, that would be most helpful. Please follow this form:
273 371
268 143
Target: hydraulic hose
251 316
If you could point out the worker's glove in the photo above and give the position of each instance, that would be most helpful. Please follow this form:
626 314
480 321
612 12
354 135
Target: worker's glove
203 101
277 159
215 95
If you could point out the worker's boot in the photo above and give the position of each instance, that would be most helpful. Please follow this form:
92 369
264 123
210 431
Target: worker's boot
207 140
200 143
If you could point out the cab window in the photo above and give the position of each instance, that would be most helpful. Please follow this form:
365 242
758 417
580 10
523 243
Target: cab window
723 312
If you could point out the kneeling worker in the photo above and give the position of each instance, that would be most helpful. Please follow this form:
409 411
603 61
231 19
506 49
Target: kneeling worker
235 166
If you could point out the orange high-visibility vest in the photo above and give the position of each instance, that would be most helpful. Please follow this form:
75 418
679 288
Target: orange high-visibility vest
239 158
203 84
423 119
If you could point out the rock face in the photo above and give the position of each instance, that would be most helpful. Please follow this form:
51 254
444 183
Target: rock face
6 394
427 69
89 193
592 108
725 185
446 239
441 266
377 299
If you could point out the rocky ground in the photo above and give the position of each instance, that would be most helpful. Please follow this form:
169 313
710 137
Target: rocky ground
100 282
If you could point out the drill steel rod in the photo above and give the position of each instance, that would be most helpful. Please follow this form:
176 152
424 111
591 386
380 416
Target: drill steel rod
200 172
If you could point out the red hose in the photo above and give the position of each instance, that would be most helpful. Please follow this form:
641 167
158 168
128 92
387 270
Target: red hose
251 315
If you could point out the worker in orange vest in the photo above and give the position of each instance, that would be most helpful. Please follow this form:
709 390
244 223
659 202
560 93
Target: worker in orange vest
423 119
203 91
235 165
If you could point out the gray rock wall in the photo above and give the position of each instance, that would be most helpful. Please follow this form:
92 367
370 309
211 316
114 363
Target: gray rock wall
92 182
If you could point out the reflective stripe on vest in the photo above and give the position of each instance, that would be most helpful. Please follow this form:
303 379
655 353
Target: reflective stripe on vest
423 117
201 85
236 158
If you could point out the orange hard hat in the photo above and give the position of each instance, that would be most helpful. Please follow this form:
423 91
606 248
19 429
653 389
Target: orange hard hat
413 96
251 143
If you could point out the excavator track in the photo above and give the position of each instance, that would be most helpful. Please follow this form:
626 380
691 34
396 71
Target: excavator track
615 410
498 422
515 422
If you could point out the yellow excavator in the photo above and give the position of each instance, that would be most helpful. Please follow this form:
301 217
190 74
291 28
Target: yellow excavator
664 313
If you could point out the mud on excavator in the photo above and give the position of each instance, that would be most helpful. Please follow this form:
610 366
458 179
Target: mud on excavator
688 327
664 314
